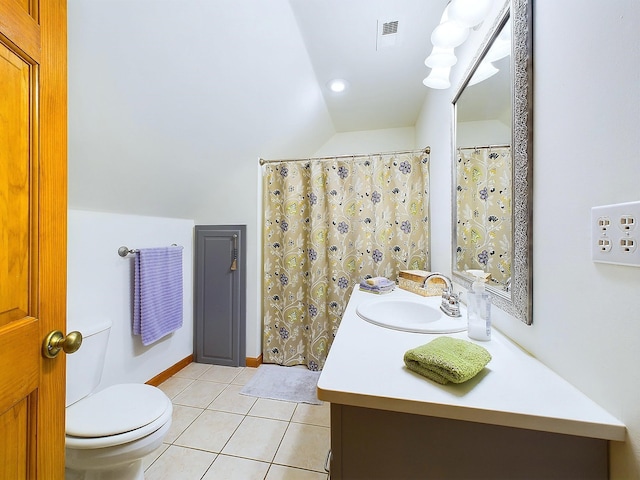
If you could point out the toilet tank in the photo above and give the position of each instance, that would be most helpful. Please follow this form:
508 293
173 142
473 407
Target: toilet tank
84 367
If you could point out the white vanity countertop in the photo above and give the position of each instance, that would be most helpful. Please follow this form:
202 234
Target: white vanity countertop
365 368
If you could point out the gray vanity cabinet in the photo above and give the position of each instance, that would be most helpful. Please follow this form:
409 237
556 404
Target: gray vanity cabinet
374 444
220 294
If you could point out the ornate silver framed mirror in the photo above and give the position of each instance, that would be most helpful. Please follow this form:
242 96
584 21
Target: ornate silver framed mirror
492 164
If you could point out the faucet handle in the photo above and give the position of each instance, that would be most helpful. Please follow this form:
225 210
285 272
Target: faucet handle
450 304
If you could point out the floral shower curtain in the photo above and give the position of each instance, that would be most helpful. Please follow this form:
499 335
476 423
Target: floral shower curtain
328 223
483 203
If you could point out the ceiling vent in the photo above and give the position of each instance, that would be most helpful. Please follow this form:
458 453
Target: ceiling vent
389 28
387 34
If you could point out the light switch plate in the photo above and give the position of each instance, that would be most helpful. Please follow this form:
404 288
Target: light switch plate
615 234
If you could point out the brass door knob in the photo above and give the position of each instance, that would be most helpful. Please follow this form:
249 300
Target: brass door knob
56 341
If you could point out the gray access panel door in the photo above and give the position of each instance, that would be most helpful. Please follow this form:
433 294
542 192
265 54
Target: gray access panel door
220 294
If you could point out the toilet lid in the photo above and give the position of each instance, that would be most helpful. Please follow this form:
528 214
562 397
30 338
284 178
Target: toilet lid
115 410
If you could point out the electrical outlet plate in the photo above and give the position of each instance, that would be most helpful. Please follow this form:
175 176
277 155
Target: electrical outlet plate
615 233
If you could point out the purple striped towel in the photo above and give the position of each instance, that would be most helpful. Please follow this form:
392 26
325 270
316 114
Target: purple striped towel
157 296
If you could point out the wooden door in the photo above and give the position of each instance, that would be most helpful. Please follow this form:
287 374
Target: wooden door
33 192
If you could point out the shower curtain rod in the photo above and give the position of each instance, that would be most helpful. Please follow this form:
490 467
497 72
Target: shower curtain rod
486 146
426 150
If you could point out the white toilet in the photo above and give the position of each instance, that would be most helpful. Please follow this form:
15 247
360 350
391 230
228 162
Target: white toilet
110 431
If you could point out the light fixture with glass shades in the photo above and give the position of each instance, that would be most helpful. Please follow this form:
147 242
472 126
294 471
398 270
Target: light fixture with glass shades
458 18
438 78
449 33
441 57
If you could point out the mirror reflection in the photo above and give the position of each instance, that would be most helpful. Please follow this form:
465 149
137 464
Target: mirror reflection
483 179
492 174
483 203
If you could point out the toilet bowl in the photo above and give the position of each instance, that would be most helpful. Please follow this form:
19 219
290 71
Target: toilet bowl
109 432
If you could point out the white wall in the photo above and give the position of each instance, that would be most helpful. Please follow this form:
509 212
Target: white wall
586 316
485 132
174 100
369 141
100 287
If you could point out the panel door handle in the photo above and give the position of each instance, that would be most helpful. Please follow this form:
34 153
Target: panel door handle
56 341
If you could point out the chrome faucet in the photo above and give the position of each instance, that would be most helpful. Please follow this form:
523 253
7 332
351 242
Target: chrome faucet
450 304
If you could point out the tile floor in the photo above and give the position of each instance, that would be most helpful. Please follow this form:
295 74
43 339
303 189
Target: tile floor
217 433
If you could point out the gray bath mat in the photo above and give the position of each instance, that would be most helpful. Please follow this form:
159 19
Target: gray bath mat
291 384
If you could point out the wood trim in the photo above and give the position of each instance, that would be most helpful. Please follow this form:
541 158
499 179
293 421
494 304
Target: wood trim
52 229
254 362
21 29
169 372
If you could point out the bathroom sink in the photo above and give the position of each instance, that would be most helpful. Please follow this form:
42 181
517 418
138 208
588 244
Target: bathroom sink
408 315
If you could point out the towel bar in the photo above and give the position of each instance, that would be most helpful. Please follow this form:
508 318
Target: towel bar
124 251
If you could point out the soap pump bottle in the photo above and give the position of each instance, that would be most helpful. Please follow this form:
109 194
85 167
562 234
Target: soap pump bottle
478 311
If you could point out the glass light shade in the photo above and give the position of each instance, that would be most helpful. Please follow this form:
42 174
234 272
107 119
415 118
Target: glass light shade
438 78
441 57
498 50
469 13
449 34
501 45
484 71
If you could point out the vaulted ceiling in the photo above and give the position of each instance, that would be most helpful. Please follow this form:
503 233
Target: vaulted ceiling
171 102
384 67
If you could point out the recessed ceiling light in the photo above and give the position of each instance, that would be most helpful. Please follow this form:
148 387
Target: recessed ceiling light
337 85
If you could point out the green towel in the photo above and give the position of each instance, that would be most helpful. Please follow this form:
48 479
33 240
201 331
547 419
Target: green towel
447 359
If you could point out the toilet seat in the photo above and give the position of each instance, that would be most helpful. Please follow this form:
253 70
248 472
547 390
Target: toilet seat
116 415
